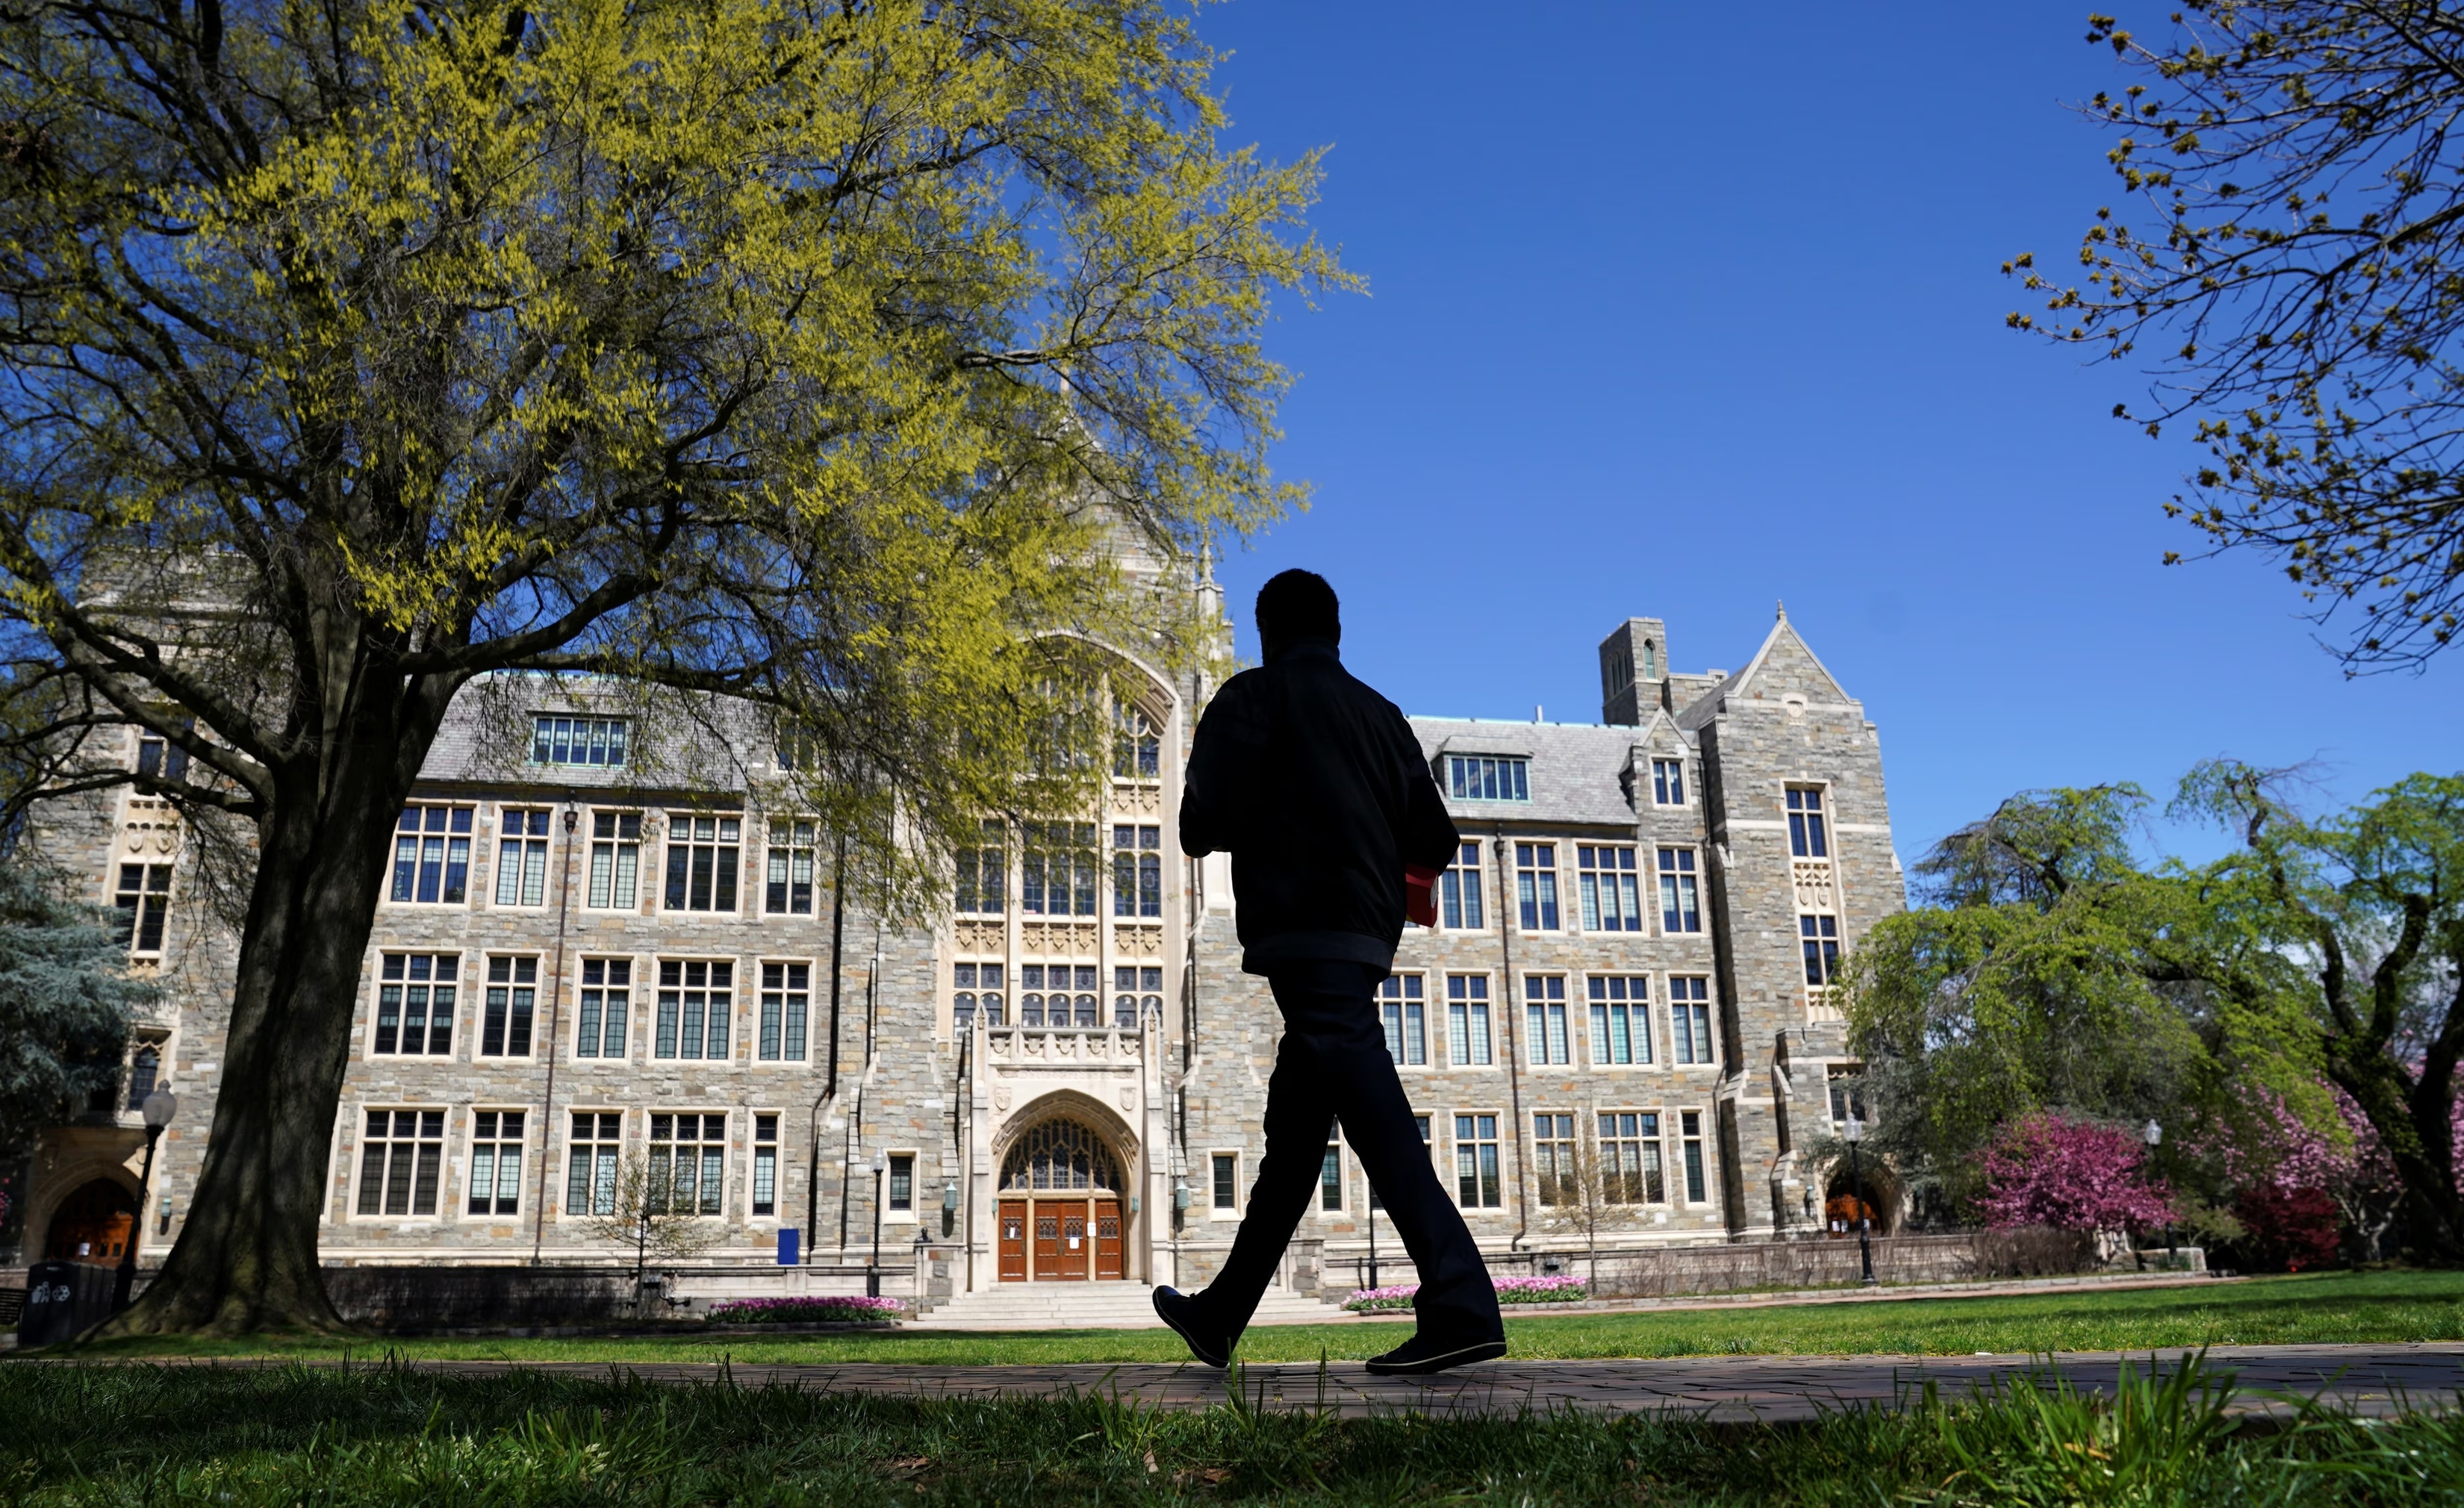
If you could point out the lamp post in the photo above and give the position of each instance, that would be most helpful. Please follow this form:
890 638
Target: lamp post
158 1110
1370 1215
2153 1135
1855 1132
872 1269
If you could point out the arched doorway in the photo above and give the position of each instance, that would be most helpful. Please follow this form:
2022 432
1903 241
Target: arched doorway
92 1224
1060 1217
1844 1201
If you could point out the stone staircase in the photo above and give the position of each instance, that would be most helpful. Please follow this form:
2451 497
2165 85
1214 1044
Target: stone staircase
1094 1306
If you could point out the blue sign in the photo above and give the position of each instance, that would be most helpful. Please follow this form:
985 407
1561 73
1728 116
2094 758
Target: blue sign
787 1246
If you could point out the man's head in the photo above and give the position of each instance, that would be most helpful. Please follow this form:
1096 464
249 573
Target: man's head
1296 605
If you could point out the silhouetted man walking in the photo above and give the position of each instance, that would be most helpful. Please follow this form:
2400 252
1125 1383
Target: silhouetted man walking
1318 788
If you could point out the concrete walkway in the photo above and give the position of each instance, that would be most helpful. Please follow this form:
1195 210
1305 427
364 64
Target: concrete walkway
2361 1379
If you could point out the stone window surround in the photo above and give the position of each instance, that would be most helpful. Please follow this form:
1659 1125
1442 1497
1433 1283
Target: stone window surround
1233 1210
913 1214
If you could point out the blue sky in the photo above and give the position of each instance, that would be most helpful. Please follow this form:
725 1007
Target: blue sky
1678 311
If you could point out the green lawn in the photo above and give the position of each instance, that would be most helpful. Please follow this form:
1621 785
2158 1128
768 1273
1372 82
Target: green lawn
73 1437
2389 1306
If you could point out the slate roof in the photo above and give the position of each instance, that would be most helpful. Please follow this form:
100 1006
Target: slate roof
1577 769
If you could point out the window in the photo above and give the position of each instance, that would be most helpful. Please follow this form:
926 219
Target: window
688 1164
1472 777
1329 1178
1137 871
143 900
496 1162
765 1165
1847 1084
1612 903
615 859
963 1005
1535 885
1459 890
902 1183
1820 935
1227 1180
1690 1122
1689 1019
590 1170
1055 1009
790 891
1137 752
400 1161
701 862
1057 871
1668 782
1544 1009
786 1000
1467 1019
145 1072
980 872
1127 1008
578 740
1630 1172
521 856
160 757
1407 1031
1681 904
606 1006
1620 1019
1559 1171
431 855
1806 837
1650 660
415 999
1477 1185
695 1001
513 989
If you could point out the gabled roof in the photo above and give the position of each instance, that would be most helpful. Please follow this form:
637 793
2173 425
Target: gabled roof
1783 666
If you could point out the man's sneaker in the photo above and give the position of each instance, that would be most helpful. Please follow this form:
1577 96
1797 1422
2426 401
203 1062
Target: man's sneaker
1180 1310
1420 1355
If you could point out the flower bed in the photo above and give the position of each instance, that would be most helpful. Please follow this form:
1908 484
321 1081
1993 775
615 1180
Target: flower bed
830 1309
1510 1290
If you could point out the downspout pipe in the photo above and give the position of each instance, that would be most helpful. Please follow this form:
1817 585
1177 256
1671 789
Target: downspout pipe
555 1029
1508 996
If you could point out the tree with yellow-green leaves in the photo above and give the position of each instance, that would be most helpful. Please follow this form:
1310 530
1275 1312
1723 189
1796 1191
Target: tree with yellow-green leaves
802 356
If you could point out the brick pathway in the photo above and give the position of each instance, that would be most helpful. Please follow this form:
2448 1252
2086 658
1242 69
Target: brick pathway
2363 1379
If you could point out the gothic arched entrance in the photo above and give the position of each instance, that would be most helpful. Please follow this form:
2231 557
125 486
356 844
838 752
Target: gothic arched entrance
1060 1215
92 1224
1872 1194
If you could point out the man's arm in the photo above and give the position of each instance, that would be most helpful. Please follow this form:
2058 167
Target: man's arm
1223 760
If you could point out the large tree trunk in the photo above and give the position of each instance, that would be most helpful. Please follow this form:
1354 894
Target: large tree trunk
2414 1122
246 1258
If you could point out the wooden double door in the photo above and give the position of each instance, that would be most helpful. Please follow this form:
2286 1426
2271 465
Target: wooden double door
1065 1239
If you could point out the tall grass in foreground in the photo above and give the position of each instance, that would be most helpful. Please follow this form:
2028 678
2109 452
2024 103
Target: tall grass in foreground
387 1434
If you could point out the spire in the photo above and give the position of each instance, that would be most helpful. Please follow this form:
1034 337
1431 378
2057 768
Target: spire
1783 609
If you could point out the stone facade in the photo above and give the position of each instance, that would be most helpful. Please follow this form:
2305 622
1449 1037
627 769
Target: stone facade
1621 980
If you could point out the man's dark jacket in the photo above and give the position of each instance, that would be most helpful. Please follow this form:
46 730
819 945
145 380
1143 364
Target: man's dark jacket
1315 785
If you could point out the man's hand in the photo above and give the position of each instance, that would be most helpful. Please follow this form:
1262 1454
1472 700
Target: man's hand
1419 894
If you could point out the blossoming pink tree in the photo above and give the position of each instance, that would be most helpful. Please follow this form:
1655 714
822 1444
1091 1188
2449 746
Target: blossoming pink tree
2073 1175
2276 1149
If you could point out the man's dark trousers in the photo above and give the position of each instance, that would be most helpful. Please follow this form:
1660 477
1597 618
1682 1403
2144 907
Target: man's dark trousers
1333 1065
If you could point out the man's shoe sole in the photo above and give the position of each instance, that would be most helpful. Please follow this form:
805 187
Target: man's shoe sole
1194 1348
1485 1351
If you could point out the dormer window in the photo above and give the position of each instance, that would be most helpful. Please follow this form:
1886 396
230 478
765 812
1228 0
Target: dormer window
578 740
1483 777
